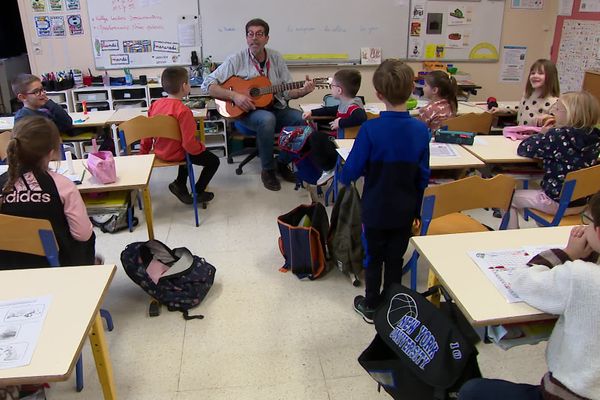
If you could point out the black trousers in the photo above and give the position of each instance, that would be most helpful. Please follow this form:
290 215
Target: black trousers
384 249
210 164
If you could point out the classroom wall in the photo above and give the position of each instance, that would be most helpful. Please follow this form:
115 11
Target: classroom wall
531 28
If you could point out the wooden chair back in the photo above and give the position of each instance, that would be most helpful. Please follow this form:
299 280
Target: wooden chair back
352 133
4 139
142 127
28 235
470 193
587 182
472 122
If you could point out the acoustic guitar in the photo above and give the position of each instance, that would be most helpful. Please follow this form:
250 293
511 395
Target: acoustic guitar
260 90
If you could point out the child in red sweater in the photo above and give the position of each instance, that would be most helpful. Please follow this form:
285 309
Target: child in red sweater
175 82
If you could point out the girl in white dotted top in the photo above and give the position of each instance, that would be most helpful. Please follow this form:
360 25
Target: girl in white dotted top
541 92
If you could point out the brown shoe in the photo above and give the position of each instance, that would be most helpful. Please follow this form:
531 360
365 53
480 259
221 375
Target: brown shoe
285 172
269 180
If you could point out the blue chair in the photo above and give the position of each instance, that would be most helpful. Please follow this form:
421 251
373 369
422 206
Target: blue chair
249 152
578 185
159 126
442 206
35 236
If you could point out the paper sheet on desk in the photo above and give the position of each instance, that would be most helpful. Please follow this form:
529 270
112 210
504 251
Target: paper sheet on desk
21 322
480 140
499 265
441 150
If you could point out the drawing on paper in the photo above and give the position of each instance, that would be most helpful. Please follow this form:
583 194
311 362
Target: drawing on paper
9 332
12 352
26 313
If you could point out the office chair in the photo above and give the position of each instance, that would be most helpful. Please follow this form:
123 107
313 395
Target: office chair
249 152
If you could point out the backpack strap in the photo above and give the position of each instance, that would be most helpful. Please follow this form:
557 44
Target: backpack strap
187 316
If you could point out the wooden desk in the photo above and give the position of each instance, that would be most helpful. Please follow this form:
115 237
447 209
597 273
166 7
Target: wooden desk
463 160
133 173
91 119
492 149
77 293
474 293
376 108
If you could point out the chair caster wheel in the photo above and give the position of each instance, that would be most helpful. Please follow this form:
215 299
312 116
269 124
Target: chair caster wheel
229 160
238 171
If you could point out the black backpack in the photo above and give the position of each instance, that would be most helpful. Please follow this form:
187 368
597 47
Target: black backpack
181 287
420 351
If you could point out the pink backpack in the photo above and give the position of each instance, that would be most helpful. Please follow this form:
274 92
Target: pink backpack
520 132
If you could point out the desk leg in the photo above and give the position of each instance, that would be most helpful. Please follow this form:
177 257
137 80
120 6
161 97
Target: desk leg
103 365
148 212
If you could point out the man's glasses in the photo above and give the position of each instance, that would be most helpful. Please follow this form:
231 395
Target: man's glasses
259 34
37 92
586 219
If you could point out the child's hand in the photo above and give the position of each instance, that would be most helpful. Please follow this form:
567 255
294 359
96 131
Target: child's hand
307 114
578 246
335 124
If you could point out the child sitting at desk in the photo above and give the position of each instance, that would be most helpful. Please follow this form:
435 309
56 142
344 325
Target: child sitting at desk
30 190
573 144
541 92
29 90
350 112
392 152
174 81
564 283
441 90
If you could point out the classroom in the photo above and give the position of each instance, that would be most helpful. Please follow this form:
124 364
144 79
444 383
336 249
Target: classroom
275 324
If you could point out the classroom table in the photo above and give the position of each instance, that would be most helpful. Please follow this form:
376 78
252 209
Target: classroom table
472 291
376 108
133 173
91 119
462 160
494 149
74 313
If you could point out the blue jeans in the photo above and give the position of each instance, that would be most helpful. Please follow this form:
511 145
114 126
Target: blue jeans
497 389
266 123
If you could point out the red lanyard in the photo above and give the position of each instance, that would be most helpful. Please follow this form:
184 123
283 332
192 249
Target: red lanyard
256 64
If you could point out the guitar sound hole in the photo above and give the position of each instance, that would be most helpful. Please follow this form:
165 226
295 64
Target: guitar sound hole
254 92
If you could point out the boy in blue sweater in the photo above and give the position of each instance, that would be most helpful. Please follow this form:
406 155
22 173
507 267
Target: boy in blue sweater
392 153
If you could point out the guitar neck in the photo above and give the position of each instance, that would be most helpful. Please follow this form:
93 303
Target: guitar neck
281 87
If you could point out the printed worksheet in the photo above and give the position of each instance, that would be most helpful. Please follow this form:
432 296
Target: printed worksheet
499 265
441 150
21 322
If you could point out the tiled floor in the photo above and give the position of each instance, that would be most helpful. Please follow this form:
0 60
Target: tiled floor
266 335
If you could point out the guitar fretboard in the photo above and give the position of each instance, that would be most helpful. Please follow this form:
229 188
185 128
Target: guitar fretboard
281 88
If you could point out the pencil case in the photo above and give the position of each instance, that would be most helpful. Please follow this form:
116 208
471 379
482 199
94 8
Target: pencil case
456 137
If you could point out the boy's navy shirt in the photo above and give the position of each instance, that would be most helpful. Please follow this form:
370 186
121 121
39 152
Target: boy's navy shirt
392 152
51 110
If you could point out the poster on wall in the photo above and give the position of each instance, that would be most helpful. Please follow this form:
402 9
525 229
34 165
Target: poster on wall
589 6
42 26
513 64
75 24
460 16
72 5
55 5
38 5
57 24
527 4
415 48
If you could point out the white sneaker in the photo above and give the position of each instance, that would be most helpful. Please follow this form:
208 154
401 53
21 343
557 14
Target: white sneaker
326 176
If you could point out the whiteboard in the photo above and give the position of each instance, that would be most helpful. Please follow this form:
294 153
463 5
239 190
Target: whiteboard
469 30
308 30
143 33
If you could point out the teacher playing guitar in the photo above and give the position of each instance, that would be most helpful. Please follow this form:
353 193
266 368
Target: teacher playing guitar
256 61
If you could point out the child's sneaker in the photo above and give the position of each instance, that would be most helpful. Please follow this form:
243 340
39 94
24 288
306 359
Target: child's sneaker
360 306
181 193
205 197
326 176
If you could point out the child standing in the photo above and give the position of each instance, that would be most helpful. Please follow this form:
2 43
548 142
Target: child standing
350 112
29 90
541 92
441 90
29 189
573 144
175 82
564 283
392 152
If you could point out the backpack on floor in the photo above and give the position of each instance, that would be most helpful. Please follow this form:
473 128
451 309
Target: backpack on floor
420 351
345 234
303 232
175 278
